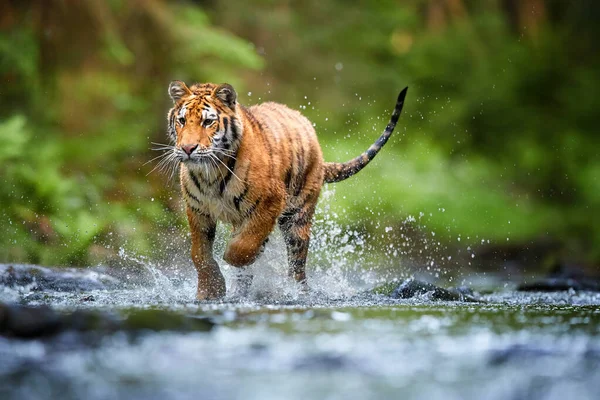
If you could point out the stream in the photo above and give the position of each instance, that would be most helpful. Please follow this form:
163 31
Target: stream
277 344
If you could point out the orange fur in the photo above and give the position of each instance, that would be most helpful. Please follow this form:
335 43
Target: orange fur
254 168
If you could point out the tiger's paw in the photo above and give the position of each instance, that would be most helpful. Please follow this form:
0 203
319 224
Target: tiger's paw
211 286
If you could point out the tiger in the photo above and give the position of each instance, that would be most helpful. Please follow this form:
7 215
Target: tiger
253 168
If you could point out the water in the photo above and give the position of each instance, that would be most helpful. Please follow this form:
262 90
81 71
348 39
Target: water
277 344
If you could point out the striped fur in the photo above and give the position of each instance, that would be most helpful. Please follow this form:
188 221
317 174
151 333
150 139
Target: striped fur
254 168
335 172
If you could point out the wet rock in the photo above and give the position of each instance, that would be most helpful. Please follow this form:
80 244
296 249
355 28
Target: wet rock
326 362
161 320
563 277
464 290
35 322
55 279
518 353
411 288
28 322
558 285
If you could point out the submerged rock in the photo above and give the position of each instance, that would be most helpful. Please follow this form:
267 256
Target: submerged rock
56 279
35 322
411 288
323 362
28 322
563 277
518 353
559 285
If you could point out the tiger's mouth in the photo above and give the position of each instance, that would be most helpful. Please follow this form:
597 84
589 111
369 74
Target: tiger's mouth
196 159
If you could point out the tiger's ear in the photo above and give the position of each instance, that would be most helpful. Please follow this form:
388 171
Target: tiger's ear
226 93
178 89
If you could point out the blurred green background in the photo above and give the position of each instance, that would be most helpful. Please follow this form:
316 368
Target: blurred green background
496 152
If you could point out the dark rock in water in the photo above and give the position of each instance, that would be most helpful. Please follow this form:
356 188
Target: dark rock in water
562 277
559 285
413 288
34 322
326 362
28 322
464 290
162 320
88 298
56 279
518 353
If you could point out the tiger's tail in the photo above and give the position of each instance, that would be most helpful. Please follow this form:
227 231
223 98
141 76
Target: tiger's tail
336 172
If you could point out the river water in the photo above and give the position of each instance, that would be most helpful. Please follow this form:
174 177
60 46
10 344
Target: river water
277 344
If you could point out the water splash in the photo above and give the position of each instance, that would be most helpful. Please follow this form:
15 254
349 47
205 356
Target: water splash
343 260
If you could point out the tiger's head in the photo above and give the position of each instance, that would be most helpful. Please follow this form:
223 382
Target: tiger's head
203 122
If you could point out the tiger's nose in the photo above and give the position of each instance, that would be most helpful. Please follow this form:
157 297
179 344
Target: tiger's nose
189 148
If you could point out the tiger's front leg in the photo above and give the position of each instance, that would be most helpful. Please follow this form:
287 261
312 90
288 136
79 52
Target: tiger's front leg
211 284
247 244
250 237
243 277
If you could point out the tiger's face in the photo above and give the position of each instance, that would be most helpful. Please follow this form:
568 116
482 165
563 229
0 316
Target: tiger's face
202 123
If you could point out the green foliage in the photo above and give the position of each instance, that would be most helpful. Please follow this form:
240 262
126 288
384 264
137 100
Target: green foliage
44 207
497 141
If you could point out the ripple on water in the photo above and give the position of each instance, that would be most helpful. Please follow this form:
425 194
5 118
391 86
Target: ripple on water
341 343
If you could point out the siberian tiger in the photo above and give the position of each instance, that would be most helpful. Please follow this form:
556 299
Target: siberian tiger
253 168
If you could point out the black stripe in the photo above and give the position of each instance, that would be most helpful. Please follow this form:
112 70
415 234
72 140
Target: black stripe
235 134
293 242
227 178
237 199
198 178
383 139
371 153
303 219
171 132
196 210
224 181
300 185
194 179
251 210
301 176
288 177
187 191
285 219
211 232
225 125
267 141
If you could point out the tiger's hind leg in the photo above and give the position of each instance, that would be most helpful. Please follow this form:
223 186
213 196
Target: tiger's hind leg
295 224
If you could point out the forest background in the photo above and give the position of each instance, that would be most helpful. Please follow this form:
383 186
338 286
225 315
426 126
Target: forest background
494 162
